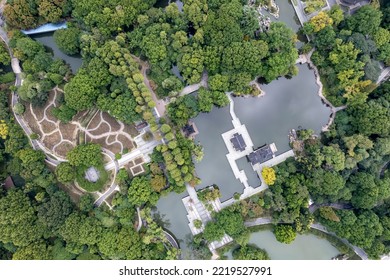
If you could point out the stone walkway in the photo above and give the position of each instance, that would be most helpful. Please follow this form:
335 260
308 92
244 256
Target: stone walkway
192 88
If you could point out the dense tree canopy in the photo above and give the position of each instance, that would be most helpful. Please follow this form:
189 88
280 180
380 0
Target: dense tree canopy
250 252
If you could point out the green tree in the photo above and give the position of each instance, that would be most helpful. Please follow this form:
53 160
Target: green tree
53 212
250 252
368 14
327 185
283 54
231 221
336 14
85 155
5 59
34 251
68 40
21 14
65 173
141 192
205 100
334 157
80 92
371 118
18 220
365 190
213 232
285 233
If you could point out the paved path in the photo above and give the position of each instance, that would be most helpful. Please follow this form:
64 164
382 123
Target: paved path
192 88
383 76
139 219
160 104
339 205
118 164
171 239
264 221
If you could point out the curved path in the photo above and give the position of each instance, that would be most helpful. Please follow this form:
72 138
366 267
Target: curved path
192 88
264 221
338 205
171 240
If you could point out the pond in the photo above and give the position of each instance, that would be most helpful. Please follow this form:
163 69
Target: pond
288 103
171 212
304 247
286 14
214 167
47 39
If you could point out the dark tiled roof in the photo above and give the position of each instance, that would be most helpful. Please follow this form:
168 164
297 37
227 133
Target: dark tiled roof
261 155
141 125
238 142
188 129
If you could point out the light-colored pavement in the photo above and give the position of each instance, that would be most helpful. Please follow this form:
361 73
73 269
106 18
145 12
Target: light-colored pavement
192 88
383 76
314 206
118 164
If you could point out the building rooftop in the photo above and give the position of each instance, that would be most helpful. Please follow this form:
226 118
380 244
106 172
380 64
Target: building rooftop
8 183
190 130
261 155
238 142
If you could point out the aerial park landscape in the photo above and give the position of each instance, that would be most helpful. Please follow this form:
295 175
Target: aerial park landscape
195 130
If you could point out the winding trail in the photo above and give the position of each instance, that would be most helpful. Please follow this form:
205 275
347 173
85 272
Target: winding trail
192 88
171 239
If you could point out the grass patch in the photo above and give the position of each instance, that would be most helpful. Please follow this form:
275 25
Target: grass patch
91 186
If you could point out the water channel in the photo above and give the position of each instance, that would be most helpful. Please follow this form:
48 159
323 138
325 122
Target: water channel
47 39
304 247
